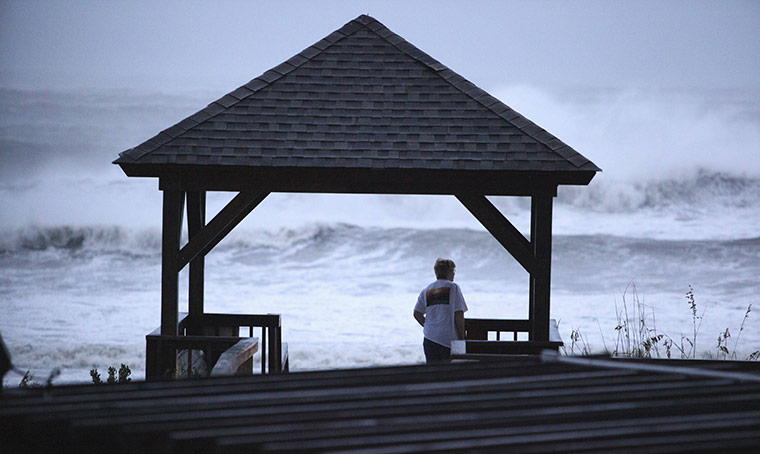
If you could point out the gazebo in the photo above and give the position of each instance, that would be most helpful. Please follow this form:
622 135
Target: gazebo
364 112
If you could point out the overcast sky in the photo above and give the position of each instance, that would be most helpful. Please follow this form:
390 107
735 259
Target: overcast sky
172 45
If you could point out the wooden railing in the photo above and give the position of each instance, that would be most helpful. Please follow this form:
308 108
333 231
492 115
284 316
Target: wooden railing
161 354
210 335
486 338
270 326
481 328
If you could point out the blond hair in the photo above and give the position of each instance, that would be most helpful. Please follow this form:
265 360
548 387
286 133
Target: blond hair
443 267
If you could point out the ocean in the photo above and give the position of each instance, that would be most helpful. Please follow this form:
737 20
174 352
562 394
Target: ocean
676 210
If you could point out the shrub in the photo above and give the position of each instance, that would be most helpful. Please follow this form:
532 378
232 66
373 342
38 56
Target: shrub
123 375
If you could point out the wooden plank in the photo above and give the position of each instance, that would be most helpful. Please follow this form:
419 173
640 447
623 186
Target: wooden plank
335 430
540 276
715 364
500 227
583 391
656 368
231 420
330 378
570 404
170 239
440 413
222 224
140 403
612 436
499 324
320 405
738 390
196 220
517 367
382 376
246 394
492 402
232 359
525 435
268 320
524 367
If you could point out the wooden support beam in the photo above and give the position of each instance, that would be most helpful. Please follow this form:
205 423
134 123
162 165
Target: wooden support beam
171 230
500 227
540 277
196 220
406 181
222 224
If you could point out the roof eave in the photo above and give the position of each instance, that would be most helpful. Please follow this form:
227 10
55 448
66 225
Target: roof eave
357 180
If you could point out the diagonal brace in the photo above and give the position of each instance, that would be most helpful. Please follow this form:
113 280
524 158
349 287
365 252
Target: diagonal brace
501 229
222 224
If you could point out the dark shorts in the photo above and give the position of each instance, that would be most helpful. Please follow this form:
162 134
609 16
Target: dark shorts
436 353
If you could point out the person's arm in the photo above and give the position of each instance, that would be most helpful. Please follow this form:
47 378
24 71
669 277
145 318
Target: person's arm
420 317
459 322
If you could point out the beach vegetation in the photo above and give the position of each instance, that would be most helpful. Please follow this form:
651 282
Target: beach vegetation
636 334
114 376
27 381
578 343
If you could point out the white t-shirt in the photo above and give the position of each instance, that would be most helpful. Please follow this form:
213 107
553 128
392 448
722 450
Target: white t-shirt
438 301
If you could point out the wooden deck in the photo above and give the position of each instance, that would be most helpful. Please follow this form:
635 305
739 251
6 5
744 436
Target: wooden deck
518 404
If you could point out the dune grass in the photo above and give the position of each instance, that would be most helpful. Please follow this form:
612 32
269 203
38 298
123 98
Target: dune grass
636 334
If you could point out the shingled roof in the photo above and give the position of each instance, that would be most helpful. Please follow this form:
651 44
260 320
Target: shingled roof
361 98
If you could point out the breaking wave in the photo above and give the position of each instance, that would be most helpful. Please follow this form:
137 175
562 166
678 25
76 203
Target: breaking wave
699 190
72 238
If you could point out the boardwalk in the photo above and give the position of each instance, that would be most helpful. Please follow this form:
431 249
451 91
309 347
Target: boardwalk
522 404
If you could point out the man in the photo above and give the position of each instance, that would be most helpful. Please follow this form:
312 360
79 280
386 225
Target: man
440 311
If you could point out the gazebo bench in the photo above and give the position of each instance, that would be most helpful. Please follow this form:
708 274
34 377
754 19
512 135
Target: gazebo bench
204 340
483 339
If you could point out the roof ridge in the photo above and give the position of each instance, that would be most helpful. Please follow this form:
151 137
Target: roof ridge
244 91
364 21
485 99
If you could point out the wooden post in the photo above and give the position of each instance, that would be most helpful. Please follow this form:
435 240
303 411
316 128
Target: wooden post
540 276
172 228
275 356
264 330
153 357
196 220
